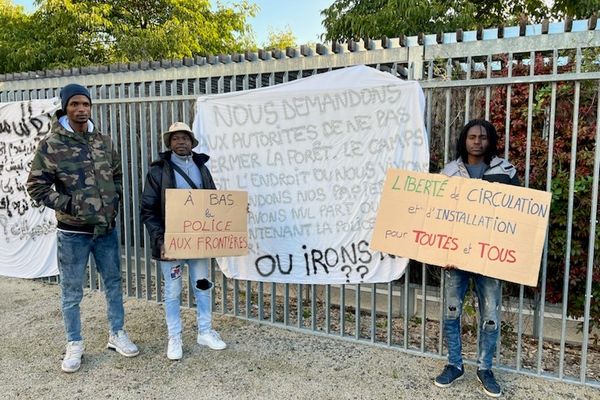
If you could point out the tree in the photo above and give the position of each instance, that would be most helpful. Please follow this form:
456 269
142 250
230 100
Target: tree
13 23
354 19
280 39
575 8
72 33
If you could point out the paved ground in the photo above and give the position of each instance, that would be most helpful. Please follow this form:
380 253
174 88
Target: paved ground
261 362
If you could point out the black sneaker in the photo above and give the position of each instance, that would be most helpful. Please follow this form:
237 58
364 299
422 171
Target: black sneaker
490 386
448 376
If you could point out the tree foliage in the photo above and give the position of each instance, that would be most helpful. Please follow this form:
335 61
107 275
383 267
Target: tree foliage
353 19
280 39
67 33
13 29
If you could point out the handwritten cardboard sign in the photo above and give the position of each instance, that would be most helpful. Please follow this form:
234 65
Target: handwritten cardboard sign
489 228
206 223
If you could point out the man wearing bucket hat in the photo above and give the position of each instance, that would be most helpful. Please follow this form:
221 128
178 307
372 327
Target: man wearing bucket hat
179 167
77 172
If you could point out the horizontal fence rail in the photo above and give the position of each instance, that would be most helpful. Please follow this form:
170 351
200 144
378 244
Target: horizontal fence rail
539 84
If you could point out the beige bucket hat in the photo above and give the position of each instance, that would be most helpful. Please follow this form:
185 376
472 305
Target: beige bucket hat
177 127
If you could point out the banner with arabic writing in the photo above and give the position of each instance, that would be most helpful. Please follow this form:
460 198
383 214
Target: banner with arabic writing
27 232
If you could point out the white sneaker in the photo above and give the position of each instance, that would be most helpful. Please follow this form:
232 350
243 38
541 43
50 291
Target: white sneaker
175 350
120 343
73 355
211 339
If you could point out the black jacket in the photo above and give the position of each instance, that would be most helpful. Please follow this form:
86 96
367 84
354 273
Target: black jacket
159 178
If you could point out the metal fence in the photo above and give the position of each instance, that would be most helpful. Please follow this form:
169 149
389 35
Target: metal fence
541 80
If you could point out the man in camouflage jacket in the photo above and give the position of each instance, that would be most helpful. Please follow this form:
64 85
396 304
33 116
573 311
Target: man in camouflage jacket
77 172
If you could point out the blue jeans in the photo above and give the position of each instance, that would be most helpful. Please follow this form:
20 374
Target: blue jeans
73 253
172 273
488 292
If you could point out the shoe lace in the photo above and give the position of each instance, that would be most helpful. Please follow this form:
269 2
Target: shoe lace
73 350
488 376
174 340
215 334
448 370
122 338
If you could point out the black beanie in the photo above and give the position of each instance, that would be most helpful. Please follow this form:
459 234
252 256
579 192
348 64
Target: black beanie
71 90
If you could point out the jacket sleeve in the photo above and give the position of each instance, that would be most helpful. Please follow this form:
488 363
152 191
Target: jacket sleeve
151 209
41 181
207 178
515 181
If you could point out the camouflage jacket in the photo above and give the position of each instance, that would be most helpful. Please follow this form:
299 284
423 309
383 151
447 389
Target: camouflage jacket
79 176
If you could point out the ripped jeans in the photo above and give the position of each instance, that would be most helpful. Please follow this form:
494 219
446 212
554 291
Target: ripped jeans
488 292
173 277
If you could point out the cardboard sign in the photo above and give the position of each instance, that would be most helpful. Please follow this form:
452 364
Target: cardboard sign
206 223
488 228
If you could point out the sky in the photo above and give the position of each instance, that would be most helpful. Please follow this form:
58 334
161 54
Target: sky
303 17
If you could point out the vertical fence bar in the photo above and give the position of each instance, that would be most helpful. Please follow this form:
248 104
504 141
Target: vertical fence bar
145 153
357 320
236 297
390 298
224 290
428 110
261 301
573 165
447 116
423 305
468 89
299 305
185 108
527 170
286 304
441 313
126 232
342 310
313 304
135 194
159 127
508 106
488 73
591 244
373 311
273 301
328 309
248 299
405 304
542 306
506 156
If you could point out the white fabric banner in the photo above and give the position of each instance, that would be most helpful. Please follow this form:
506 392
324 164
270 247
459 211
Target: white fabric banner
27 232
313 154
